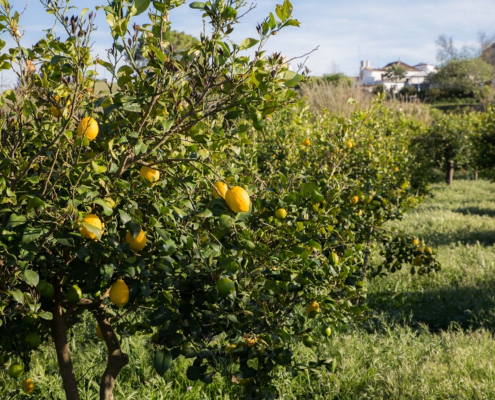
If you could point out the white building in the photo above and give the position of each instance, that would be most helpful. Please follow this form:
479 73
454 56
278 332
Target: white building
416 76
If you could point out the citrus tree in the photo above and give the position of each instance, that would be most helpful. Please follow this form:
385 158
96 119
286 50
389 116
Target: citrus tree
180 204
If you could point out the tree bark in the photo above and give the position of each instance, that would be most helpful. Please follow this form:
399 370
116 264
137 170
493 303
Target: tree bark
449 176
59 329
116 358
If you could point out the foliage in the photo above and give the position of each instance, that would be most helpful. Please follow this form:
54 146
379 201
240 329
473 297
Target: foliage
464 76
338 79
179 41
396 72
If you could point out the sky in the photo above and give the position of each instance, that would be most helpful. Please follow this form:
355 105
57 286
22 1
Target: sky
345 31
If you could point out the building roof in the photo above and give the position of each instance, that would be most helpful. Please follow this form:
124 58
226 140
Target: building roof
407 67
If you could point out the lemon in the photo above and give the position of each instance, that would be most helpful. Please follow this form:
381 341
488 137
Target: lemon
138 243
111 202
93 220
349 144
326 331
307 142
99 334
88 127
238 199
150 174
15 370
418 260
416 242
281 213
119 293
74 294
250 342
55 111
429 250
308 341
219 190
312 309
230 347
225 287
28 386
33 339
354 199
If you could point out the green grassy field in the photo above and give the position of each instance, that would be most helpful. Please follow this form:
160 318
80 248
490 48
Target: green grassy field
428 337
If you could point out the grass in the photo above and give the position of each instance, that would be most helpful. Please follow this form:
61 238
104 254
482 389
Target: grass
428 337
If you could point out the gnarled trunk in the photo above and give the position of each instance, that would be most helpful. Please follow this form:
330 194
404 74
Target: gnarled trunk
116 358
59 329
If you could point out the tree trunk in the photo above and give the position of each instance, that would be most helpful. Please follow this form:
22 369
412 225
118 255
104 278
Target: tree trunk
449 176
59 329
116 358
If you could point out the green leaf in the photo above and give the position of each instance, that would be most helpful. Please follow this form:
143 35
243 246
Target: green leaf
35 203
291 78
226 221
248 43
99 169
198 5
30 277
107 210
141 6
134 228
162 361
18 296
65 239
206 213
93 229
15 220
32 234
124 217
46 315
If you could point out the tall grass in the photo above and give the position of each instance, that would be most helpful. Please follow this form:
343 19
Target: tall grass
334 97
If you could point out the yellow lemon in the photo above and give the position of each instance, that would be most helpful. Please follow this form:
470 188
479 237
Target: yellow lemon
312 309
230 347
88 127
93 220
28 386
238 199
220 189
150 174
396 169
429 250
281 213
138 243
99 334
55 111
111 202
416 242
119 293
307 142
354 199
250 342
349 144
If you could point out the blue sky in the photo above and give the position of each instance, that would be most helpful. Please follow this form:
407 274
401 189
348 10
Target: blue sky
346 31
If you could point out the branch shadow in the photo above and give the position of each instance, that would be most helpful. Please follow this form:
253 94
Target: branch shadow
468 308
482 212
465 236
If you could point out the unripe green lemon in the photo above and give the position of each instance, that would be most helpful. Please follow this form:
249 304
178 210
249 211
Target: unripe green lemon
74 294
308 341
326 331
225 287
34 340
15 370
